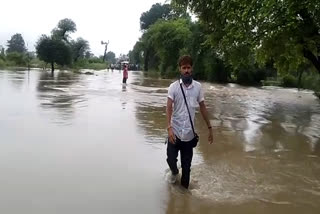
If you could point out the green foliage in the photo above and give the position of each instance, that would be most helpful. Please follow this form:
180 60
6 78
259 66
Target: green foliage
16 44
2 63
233 40
88 55
2 53
311 80
145 52
97 66
53 51
37 63
160 12
15 58
79 48
289 81
136 55
95 59
64 28
287 32
168 39
58 48
207 64
86 64
111 57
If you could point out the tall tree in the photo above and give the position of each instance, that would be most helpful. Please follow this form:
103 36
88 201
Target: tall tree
160 11
136 53
79 48
286 32
111 57
88 54
16 44
2 52
169 40
53 51
64 28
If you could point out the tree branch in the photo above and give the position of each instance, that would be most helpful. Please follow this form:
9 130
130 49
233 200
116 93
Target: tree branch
310 56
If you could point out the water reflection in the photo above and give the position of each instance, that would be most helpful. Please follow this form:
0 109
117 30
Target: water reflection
55 92
124 87
18 78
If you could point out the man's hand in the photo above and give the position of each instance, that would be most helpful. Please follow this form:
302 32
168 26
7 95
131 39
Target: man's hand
210 137
172 137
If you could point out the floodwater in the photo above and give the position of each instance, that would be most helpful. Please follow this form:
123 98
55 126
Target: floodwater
76 143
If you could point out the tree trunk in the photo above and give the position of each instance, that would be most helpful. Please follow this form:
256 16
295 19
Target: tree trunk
299 78
146 60
310 56
52 68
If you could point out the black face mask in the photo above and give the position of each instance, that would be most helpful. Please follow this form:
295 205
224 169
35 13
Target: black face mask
186 79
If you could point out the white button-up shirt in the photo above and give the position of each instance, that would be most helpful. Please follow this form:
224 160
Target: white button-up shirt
180 121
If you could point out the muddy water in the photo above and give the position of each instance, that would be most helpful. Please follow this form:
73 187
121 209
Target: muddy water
76 143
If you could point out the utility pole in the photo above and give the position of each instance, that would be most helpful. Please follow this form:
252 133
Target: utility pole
105 49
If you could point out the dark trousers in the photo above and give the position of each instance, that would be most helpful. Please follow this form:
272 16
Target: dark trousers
186 153
124 80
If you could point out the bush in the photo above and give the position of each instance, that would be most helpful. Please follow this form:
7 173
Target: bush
2 63
94 60
245 77
37 63
96 66
311 80
289 81
17 59
81 63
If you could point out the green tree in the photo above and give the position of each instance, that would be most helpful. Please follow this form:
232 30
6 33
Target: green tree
52 51
16 58
208 65
2 53
88 55
111 57
64 28
160 11
157 11
16 44
169 40
136 54
286 32
79 48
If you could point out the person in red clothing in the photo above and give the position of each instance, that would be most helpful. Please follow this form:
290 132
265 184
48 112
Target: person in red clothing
125 73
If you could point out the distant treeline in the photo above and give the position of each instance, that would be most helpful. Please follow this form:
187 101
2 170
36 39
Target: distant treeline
57 49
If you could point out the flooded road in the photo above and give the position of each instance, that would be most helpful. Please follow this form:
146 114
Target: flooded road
76 143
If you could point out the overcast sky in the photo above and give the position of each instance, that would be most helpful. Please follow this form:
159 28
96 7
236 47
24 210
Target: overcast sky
115 20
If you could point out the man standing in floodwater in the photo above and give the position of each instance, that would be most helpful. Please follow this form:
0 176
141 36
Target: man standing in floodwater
184 95
125 73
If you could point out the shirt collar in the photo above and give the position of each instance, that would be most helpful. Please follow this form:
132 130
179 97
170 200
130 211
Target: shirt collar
190 86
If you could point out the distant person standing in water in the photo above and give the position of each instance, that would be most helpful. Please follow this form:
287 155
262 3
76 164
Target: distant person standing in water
184 95
125 73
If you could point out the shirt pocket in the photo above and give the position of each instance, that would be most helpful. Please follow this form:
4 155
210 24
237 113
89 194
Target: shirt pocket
193 102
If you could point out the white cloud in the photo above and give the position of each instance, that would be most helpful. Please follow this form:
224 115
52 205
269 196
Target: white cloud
96 20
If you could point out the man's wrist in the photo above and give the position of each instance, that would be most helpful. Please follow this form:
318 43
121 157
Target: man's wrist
169 127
